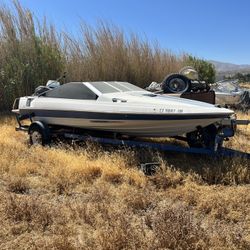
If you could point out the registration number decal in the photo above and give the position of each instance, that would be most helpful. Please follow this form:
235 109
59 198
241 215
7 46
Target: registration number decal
171 110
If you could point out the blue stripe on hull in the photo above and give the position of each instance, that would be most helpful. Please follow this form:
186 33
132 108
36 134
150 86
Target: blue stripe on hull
119 116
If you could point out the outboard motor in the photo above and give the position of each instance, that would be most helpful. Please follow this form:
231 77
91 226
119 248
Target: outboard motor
51 84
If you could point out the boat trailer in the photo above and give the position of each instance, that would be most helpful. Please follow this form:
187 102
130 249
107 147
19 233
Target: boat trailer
217 151
167 147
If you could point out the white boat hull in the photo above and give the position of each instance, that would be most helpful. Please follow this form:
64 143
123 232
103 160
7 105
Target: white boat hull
137 113
148 128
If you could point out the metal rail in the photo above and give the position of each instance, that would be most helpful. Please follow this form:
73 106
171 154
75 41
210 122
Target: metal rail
163 147
242 122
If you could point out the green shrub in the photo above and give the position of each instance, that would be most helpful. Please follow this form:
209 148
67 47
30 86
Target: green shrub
28 57
205 69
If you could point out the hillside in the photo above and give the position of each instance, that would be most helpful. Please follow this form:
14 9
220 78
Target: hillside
223 69
230 67
87 197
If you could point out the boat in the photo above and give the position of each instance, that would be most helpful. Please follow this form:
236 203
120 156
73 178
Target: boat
228 92
117 107
185 84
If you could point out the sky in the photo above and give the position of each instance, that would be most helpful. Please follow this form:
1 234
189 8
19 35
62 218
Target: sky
209 29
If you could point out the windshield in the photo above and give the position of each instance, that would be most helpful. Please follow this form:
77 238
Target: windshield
112 87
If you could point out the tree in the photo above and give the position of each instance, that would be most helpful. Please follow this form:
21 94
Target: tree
204 68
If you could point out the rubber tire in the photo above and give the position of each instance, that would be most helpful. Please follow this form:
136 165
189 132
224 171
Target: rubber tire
43 130
167 80
207 136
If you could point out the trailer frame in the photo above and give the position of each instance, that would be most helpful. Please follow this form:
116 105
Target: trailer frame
116 140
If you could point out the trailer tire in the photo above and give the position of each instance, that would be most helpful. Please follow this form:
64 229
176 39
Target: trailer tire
176 83
202 138
39 134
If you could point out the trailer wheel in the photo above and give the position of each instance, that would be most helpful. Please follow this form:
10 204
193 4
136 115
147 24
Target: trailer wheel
176 83
39 134
202 138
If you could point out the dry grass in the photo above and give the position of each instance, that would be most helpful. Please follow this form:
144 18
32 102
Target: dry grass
242 141
104 52
32 52
90 198
245 85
